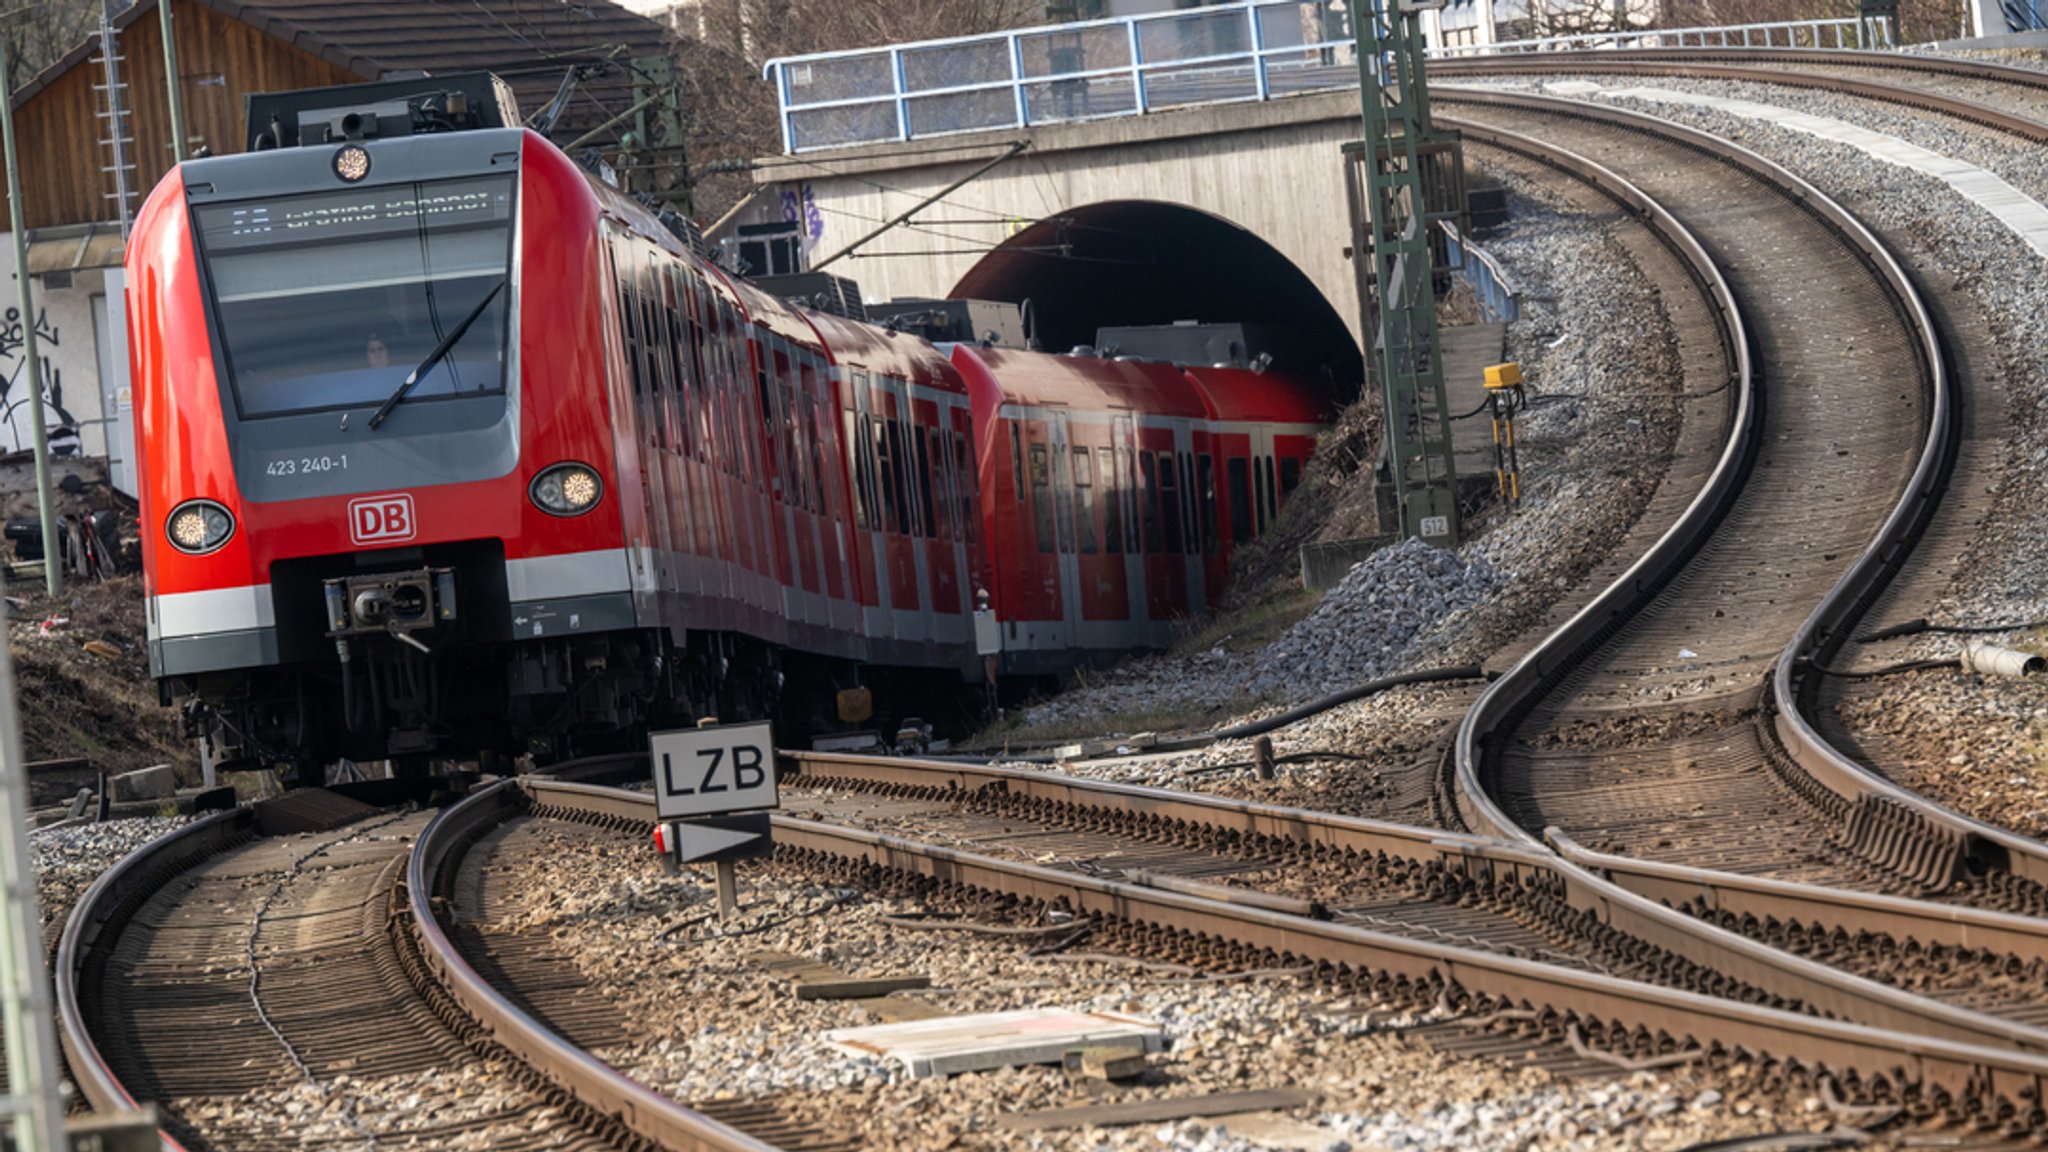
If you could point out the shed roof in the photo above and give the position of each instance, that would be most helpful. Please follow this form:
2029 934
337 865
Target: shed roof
531 43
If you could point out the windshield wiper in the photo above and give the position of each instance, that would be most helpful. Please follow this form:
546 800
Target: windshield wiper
434 357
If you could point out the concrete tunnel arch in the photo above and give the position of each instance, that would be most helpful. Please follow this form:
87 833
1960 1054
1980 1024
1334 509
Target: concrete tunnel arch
1127 262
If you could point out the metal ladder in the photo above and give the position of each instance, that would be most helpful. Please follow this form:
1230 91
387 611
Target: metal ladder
113 119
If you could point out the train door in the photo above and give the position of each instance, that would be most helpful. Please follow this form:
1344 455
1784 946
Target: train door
870 545
935 496
1239 516
801 491
914 472
1191 445
966 502
1067 548
1033 597
1098 538
1126 495
901 568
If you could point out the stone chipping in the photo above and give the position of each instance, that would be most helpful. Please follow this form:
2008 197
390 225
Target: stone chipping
712 1024
70 857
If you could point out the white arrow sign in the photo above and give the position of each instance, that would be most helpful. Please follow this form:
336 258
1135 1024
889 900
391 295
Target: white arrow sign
719 838
702 842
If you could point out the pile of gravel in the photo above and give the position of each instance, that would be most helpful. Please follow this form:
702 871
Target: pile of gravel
70 857
1394 606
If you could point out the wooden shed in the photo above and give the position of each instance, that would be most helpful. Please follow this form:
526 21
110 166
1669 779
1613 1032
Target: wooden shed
227 50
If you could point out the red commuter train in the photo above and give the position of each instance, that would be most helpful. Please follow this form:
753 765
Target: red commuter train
447 447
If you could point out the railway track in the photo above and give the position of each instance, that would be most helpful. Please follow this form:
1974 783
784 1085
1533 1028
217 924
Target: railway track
1614 1020
271 990
1724 782
1434 917
1861 776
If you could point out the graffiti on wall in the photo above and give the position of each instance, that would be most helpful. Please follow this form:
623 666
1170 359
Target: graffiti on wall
17 430
800 207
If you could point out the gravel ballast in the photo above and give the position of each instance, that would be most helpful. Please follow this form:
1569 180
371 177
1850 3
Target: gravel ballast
715 1025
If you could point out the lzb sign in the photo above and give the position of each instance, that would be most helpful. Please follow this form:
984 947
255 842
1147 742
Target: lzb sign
708 771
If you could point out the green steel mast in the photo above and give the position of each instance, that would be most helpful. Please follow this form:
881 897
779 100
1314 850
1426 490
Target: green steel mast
1392 222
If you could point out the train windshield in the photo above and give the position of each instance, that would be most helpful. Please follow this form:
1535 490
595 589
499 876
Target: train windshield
329 300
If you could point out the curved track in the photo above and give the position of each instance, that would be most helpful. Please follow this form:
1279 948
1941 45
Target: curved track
1644 741
1623 1019
273 990
1868 783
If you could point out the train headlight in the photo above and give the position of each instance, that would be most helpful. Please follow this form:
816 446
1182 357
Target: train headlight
199 526
566 490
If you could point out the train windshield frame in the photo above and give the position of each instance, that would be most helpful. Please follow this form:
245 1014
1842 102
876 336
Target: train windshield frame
324 301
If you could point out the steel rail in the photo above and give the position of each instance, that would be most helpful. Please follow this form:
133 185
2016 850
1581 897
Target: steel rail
1251 824
1951 843
103 908
1637 909
1975 112
107 905
660 1119
1965 1080
1508 698
1806 57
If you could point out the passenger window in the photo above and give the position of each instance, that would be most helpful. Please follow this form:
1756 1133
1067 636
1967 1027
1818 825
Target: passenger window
930 468
861 482
1258 488
1290 478
1041 499
1084 500
1148 502
969 483
1112 501
1169 502
1017 459
892 483
1205 467
1238 476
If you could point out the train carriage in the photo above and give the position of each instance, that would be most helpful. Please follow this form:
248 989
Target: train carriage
448 447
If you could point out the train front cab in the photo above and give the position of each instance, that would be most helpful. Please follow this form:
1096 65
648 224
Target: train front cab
275 307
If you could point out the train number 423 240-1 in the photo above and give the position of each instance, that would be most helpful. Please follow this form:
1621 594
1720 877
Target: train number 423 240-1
297 465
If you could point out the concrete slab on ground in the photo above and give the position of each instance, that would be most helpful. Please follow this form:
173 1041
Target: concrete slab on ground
950 1044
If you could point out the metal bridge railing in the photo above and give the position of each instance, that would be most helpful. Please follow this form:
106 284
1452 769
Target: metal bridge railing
1497 296
1133 65
1845 32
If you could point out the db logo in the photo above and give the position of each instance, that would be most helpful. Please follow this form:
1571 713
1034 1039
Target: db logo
379 519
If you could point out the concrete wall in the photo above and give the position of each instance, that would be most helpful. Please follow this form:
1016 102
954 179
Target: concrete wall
1274 169
78 403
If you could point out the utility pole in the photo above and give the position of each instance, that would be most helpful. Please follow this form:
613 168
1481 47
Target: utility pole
31 1036
163 12
32 365
1404 175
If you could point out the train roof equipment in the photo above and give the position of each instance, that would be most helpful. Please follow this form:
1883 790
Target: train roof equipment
382 110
